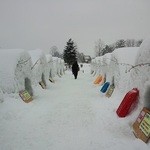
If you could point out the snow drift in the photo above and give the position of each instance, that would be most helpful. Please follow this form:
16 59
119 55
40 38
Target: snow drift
15 73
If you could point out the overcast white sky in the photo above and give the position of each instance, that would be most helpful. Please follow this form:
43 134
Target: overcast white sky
31 24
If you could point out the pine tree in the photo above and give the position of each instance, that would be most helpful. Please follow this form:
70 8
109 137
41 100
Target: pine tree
120 43
70 53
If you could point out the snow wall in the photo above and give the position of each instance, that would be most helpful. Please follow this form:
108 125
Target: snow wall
140 74
116 65
39 67
15 73
125 60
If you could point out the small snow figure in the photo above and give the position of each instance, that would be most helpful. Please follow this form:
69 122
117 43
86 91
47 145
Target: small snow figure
75 69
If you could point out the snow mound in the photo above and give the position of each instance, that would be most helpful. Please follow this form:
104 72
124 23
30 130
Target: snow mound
39 68
125 60
140 74
15 73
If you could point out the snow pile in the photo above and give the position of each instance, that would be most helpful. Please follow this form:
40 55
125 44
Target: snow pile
39 68
115 66
15 71
50 65
125 61
140 74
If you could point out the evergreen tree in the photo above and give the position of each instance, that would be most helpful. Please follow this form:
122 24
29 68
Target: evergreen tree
120 43
70 53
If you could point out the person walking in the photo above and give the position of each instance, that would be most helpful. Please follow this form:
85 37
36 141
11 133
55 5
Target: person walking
75 69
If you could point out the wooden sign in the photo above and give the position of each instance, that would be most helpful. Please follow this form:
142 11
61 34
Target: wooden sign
110 91
141 127
26 97
42 84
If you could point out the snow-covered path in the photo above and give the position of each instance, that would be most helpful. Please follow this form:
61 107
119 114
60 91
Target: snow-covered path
69 115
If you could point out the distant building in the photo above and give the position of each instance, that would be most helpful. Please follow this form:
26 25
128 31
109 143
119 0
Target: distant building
87 58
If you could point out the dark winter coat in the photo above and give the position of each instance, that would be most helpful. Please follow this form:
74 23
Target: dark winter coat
75 68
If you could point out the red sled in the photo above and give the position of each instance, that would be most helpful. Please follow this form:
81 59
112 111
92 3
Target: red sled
128 101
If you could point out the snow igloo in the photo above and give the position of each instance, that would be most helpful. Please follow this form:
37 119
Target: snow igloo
39 67
15 71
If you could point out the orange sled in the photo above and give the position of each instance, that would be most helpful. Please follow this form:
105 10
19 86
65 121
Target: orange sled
98 79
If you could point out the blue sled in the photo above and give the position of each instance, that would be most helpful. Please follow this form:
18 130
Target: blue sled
105 87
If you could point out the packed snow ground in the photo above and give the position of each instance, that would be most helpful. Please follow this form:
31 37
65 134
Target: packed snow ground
69 115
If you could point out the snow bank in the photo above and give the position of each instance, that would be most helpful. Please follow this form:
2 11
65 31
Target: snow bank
39 68
140 74
15 73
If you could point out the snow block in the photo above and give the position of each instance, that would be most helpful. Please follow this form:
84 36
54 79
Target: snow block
105 87
129 99
98 79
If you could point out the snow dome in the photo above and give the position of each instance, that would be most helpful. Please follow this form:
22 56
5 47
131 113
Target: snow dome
39 68
15 71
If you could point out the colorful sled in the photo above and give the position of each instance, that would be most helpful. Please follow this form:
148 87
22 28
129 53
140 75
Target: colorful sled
129 99
110 90
105 87
98 79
